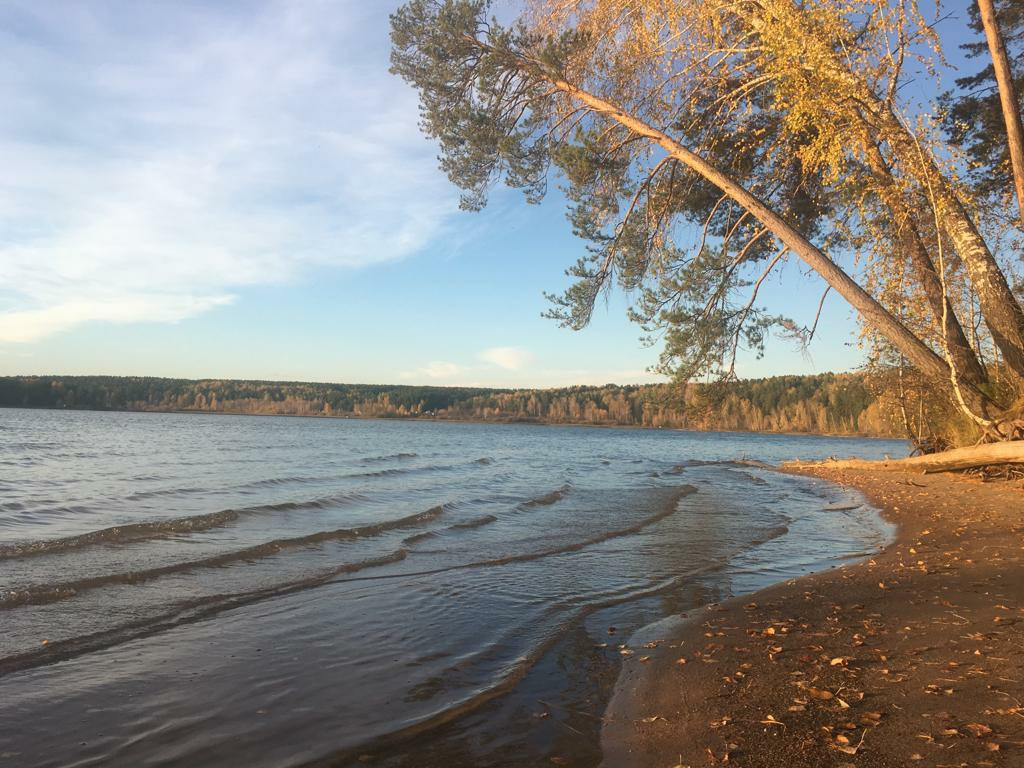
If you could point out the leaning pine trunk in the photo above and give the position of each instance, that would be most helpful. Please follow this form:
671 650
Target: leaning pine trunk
923 358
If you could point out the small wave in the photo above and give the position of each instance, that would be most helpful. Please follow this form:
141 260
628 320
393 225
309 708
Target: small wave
772 533
271 482
119 534
747 476
387 472
389 457
475 523
139 495
484 460
418 537
549 498
130 532
323 502
47 593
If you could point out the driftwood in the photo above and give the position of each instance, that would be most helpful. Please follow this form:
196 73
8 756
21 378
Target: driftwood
958 458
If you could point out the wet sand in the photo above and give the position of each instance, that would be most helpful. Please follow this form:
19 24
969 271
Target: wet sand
912 658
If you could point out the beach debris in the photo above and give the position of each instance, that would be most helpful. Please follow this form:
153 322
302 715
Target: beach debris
651 719
720 722
871 718
978 729
681 660
844 744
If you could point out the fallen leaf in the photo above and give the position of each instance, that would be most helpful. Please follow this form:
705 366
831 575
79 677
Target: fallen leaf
978 729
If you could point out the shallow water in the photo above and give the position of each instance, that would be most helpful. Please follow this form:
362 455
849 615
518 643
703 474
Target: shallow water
191 589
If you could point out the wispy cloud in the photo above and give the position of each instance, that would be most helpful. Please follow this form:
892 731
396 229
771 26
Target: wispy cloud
437 370
157 158
509 358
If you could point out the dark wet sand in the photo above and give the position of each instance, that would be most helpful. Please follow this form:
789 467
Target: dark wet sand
913 658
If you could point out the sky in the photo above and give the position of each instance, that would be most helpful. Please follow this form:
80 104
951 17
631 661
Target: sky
241 190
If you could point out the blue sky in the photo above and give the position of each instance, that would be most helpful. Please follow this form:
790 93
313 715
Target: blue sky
240 190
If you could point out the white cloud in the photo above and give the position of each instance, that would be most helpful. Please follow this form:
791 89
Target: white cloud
157 158
437 369
509 358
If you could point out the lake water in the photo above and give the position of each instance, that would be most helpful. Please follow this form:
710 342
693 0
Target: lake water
194 589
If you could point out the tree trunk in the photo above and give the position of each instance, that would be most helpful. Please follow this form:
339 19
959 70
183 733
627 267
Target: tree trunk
1007 98
968 369
958 458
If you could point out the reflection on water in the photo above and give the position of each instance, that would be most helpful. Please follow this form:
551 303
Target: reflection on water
200 589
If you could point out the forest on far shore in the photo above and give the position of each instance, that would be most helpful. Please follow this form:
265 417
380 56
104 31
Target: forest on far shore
825 403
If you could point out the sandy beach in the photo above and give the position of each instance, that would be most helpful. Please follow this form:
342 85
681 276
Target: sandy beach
914 657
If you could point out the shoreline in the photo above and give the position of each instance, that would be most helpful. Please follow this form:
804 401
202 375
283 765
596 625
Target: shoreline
500 422
914 656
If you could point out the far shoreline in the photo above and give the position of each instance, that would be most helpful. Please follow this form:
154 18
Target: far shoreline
498 422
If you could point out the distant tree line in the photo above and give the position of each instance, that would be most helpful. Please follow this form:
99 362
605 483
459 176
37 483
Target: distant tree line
825 403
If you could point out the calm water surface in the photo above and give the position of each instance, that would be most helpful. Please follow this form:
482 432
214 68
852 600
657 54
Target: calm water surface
194 590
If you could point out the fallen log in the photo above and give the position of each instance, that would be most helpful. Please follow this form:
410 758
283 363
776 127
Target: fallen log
958 458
